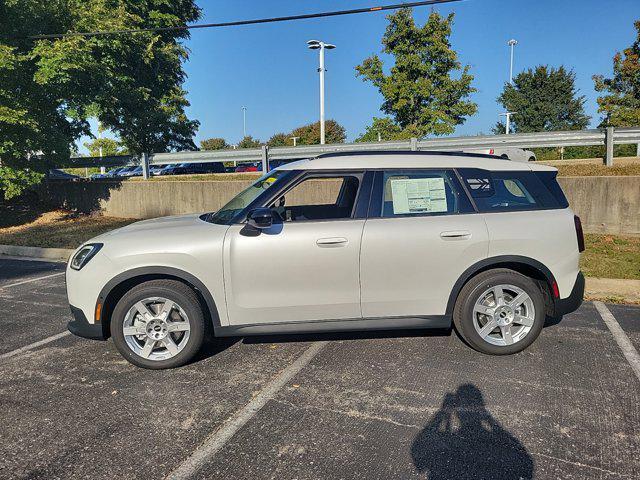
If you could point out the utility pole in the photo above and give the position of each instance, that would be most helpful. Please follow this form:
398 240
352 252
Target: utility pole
244 122
318 45
295 141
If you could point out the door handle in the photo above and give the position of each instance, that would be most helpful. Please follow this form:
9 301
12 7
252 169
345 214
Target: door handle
456 235
332 242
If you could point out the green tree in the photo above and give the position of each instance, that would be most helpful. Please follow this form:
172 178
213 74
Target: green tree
427 88
620 102
280 140
214 144
109 147
544 99
310 134
384 129
249 142
48 86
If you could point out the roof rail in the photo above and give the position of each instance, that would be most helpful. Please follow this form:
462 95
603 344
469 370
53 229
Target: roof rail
408 152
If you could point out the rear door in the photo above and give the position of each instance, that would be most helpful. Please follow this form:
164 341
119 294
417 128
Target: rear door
421 235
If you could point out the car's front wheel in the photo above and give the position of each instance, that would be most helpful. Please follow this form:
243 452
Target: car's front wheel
158 324
499 312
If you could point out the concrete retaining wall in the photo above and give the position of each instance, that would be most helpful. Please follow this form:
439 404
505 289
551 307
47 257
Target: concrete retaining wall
605 204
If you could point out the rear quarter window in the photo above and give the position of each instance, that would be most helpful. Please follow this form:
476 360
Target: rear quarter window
510 190
551 182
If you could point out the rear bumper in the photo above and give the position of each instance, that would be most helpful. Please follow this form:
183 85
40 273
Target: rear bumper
573 301
82 328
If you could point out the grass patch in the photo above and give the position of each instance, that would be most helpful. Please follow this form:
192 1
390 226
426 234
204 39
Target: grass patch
54 229
591 170
611 256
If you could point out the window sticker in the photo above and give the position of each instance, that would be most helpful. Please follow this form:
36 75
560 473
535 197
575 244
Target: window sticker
418 195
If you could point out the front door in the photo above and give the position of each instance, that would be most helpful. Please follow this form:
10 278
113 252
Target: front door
303 268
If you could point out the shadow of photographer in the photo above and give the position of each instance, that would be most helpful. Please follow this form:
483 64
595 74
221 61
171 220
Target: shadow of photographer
463 440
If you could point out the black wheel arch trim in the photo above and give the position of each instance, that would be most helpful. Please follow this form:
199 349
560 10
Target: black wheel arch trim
500 261
163 271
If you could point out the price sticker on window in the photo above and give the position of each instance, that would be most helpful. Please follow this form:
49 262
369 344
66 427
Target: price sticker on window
418 195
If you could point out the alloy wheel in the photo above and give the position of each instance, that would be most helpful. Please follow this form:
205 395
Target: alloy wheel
156 328
503 315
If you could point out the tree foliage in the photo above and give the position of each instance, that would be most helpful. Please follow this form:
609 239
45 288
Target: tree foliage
280 140
543 99
249 142
131 83
109 147
385 129
620 102
310 134
214 144
427 88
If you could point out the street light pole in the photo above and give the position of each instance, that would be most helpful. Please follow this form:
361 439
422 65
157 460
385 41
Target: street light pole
322 125
244 122
508 122
318 45
512 43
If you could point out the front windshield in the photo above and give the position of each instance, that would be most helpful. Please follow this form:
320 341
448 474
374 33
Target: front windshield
244 198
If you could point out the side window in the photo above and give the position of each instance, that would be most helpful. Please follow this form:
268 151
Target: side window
507 191
422 192
319 198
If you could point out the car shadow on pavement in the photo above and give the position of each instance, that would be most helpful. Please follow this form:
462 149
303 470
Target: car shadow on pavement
463 441
213 347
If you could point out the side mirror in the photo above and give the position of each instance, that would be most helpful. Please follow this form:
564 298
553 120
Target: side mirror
260 218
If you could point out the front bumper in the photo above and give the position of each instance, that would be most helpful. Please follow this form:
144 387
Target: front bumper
82 328
573 301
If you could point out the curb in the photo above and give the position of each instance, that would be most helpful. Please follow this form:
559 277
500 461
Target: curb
59 254
612 290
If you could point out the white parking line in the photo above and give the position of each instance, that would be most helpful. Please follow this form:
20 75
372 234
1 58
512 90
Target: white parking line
218 439
628 350
31 346
31 280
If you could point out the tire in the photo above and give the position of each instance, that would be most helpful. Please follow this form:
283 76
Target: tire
516 325
532 159
179 336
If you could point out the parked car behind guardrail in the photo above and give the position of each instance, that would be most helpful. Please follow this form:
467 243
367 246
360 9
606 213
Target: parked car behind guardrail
516 154
193 168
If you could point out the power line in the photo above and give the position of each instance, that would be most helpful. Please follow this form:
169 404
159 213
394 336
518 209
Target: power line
241 22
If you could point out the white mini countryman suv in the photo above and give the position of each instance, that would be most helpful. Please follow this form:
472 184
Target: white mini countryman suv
357 241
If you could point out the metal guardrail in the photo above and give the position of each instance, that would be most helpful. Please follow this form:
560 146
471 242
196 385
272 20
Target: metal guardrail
607 137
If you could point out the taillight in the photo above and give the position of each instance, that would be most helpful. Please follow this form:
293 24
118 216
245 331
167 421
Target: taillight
579 233
491 151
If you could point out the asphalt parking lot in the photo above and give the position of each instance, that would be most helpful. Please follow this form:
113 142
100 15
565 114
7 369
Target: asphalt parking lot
384 405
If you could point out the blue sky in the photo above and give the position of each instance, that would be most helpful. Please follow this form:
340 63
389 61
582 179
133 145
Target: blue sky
268 68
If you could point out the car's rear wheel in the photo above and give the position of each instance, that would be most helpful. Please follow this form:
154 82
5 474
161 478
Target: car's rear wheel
158 324
499 312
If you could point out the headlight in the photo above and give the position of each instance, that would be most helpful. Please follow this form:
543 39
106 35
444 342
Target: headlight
85 254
